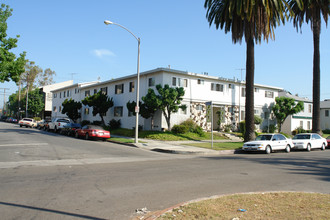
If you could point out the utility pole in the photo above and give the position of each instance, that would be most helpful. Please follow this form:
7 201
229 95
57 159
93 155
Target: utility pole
4 99
239 98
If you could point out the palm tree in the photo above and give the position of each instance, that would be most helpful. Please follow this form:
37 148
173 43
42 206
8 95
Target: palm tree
254 20
311 11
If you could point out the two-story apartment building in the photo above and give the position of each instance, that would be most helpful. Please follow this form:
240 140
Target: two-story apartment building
302 119
227 95
325 114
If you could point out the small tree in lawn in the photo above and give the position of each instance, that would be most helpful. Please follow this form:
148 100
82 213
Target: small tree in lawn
284 107
71 109
150 106
100 103
169 100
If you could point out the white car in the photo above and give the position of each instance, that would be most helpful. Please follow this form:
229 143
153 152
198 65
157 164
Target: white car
269 143
27 122
309 141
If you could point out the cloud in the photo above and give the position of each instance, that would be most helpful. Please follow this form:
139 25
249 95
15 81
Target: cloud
102 53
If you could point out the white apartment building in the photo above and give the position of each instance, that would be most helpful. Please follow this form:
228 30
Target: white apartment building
225 94
302 119
324 114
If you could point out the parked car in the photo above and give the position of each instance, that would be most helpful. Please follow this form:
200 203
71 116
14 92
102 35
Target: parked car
28 122
92 132
309 141
43 124
70 129
269 143
328 140
57 124
11 120
3 117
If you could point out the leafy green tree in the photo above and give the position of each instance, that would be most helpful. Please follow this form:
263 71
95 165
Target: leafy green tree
100 103
11 67
131 107
71 109
35 102
150 106
284 107
13 103
169 101
311 11
252 20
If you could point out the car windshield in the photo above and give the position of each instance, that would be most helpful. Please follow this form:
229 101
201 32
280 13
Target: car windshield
264 137
301 137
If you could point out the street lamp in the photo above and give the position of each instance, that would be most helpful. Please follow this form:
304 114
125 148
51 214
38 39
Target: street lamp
138 80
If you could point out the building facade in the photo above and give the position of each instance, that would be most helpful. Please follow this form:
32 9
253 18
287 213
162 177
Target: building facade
227 97
302 119
324 114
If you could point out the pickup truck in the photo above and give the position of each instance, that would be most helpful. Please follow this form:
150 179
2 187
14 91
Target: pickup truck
58 123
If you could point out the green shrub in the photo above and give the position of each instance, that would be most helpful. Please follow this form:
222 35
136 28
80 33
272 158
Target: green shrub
242 127
228 127
37 118
190 124
326 131
180 129
272 129
114 124
199 130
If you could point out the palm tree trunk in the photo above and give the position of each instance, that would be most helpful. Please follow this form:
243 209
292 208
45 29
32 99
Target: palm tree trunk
249 100
316 128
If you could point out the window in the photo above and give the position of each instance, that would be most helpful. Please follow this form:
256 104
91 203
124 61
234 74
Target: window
256 90
310 108
256 111
200 81
95 91
60 95
326 113
86 111
119 89
55 95
131 87
76 90
231 86
68 93
216 87
64 94
199 107
308 125
105 90
302 124
118 111
183 82
243 92
269 94
151 82
173 81
87 93
54 109
59 108
242 115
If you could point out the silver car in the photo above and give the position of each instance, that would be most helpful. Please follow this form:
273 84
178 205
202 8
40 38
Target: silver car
309 141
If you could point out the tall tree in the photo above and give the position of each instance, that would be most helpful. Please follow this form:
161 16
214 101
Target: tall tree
100 103
311 11
169 101
30 74
71 109
35 102
254 20
284 107
11 67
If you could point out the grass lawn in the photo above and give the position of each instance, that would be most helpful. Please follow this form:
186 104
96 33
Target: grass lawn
219 146
282 205
167 136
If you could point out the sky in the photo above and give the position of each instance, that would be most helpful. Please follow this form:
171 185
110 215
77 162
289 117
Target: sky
70 38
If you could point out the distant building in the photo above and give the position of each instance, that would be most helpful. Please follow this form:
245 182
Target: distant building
302 119
48 95
324 114
227 95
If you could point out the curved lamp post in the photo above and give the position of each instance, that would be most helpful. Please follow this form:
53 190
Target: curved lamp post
138 80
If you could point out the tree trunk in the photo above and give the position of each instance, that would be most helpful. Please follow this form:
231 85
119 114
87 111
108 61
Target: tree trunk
316 127
249 100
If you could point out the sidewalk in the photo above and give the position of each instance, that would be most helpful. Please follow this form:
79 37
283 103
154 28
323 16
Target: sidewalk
177 147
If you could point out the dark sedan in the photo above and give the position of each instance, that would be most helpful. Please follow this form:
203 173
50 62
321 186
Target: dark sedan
70 129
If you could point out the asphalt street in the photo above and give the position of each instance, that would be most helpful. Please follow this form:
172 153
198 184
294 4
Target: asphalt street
48 176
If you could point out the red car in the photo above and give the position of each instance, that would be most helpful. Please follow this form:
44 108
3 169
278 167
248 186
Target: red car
328 141
92 132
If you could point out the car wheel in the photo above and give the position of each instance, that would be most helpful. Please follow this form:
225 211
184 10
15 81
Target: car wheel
287 148
87 136
268 150
323 147
55 129
309 147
